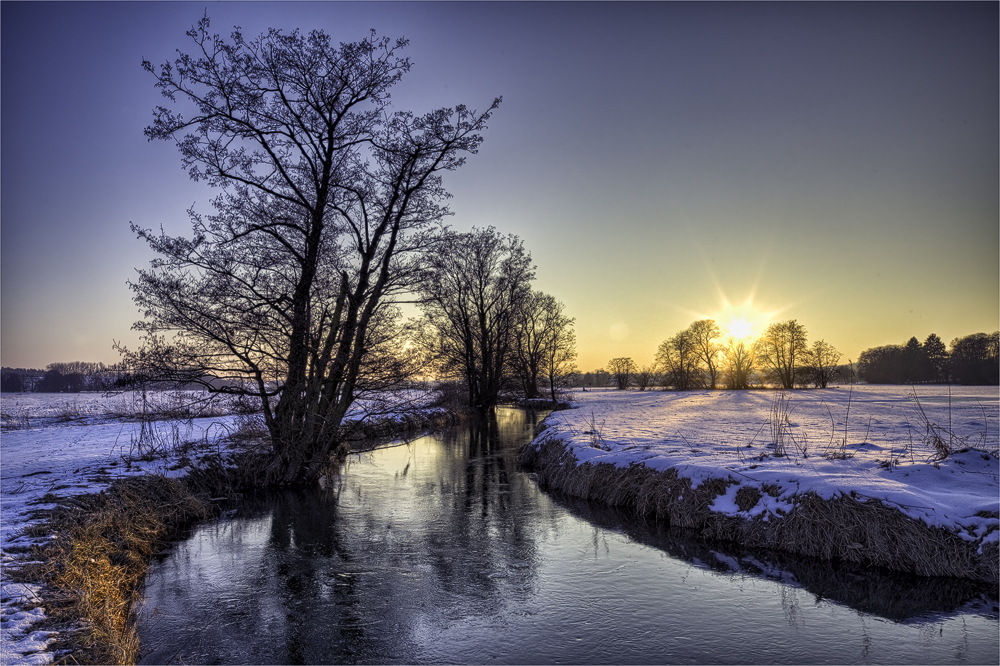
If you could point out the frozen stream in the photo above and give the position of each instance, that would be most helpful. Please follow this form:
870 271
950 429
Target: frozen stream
441 551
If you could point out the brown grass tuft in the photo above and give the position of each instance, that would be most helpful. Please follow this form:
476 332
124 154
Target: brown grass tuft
95 566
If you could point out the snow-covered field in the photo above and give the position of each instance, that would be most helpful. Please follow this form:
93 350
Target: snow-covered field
873 441
19 411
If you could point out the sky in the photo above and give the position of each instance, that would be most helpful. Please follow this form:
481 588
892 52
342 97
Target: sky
833 163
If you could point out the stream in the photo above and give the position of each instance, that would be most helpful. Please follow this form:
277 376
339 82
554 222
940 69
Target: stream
441 550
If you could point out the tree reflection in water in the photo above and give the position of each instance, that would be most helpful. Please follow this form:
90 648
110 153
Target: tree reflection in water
440 550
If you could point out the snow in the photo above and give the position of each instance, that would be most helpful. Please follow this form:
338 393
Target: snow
69 457
866 441
79 445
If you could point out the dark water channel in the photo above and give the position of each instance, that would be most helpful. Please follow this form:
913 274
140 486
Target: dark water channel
442 551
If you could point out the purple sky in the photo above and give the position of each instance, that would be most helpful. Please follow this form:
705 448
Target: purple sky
838 163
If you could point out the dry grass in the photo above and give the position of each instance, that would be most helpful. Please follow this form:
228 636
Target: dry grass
845 529
95 565
14 417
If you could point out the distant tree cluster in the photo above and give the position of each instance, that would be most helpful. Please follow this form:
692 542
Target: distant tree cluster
973 359
20 380
700 357
594 379
72 377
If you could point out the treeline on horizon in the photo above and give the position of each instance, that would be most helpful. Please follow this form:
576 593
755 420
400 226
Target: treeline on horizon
694 359
72 377
971 360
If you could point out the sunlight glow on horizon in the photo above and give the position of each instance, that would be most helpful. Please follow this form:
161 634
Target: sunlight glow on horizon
742 322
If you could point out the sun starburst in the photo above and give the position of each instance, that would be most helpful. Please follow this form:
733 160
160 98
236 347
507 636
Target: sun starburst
743 321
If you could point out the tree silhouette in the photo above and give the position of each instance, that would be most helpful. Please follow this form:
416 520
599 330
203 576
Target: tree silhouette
679 358
327 200
704 333
937 358
472 294
882 365
975 359
621 370
740 357
821 363
560 348
781 349
544 343
645 377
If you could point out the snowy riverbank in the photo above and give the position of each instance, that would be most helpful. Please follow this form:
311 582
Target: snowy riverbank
71 460
64 445
765 467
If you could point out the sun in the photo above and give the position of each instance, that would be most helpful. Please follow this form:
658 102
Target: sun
741 322
738 328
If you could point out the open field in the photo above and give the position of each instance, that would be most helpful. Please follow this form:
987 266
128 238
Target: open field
20 411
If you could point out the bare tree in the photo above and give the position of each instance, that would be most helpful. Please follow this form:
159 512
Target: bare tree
621 369
821 363
740 357
471 296
645 377
560 347
704 332
678 356
327 200
781 349
541 340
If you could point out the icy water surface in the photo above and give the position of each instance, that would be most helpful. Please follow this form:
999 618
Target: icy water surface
441 551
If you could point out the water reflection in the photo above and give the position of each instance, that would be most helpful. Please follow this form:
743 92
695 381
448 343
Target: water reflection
887 594
441 551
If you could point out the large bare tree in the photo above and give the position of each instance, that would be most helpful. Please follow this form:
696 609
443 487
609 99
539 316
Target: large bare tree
327 197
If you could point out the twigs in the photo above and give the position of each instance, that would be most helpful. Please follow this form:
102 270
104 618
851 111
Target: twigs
14 417
945 442
596 433
778 423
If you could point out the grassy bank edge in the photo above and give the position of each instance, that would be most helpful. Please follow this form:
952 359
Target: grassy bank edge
867 533
94 565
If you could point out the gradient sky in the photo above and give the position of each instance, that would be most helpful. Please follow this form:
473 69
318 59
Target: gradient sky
836 163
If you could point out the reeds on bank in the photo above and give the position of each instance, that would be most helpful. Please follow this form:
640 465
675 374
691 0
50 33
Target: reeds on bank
845 528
